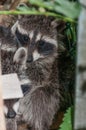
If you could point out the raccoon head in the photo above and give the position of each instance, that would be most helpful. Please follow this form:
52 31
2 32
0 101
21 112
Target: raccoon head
11 107
38 35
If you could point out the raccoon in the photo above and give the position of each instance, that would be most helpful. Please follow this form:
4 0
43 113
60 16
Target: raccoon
8 47
11 107
37 50
10 110
11 124
38 36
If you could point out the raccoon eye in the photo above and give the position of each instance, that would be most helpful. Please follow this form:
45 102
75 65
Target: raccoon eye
45 47
22 38
26 38
41 43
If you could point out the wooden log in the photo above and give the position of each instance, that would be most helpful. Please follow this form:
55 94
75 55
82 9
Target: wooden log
2 121
11 86
80 101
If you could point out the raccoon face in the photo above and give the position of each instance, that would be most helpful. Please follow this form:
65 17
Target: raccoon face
39 41
11 107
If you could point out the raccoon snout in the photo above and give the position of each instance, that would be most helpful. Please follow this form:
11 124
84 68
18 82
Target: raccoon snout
11 114
30 59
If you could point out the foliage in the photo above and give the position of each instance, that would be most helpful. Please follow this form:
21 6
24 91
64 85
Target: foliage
71 39
65 10
67 120
69 9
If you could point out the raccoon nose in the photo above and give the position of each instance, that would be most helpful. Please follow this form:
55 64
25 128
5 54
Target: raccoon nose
30 59
11 114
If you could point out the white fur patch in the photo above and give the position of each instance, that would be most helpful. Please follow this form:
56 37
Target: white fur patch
5 110
50 40
6 47
31 35
21 30
25 81
13 29
16 106
36 56
38 37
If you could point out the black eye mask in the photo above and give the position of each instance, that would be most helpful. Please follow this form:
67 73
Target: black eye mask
22 39
45 47
25 89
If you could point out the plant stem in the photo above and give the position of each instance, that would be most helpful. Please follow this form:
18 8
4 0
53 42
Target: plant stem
30 12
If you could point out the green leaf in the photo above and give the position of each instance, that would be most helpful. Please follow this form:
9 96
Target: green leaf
22 7
48 5
67 120
70 9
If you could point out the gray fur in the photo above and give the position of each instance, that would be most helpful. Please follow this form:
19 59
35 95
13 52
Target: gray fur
38 107
11 124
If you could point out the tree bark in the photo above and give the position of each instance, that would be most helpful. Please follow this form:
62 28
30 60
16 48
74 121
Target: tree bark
2 120
80 101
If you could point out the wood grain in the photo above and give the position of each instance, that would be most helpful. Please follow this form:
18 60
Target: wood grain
80 101
2 121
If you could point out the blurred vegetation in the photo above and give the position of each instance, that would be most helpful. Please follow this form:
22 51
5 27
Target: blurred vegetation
67 120
65 10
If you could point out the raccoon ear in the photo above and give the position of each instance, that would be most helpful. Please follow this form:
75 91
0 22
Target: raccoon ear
58 24
54 23
20 56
